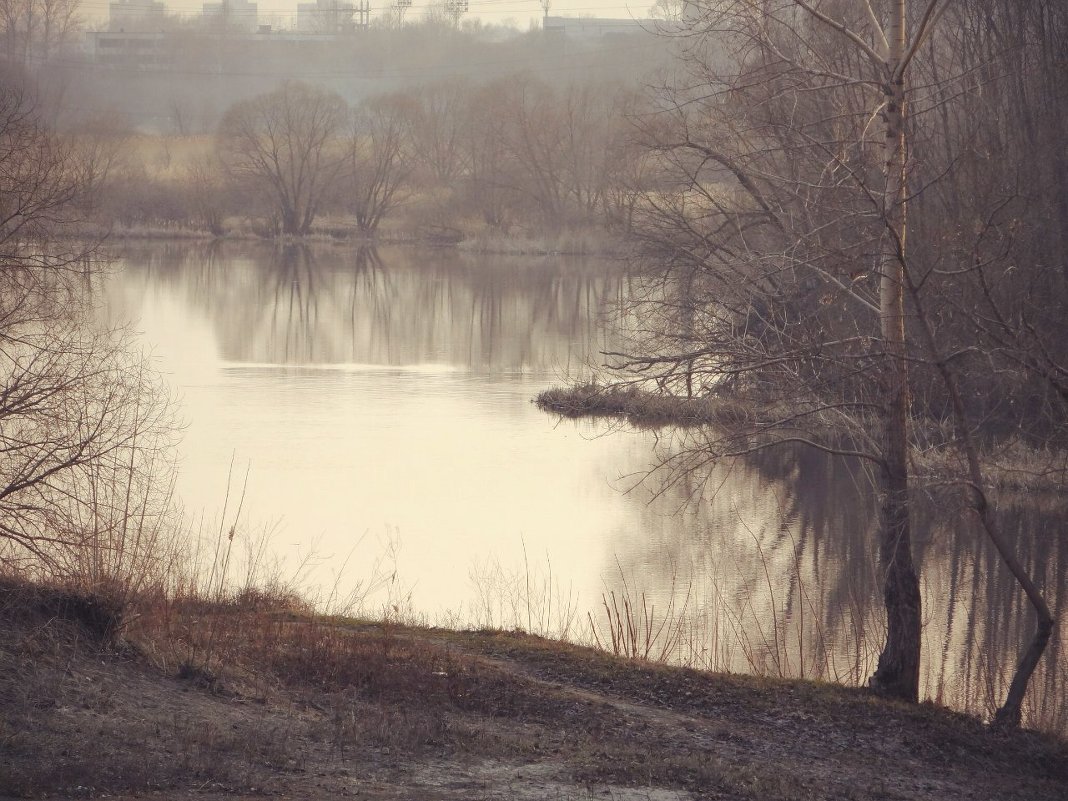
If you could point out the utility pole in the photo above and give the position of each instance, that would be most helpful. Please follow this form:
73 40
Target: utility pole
455 9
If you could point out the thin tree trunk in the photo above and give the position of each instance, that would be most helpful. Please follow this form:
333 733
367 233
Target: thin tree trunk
898 672
1009 715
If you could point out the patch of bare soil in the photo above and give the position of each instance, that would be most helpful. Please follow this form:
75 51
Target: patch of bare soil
308 709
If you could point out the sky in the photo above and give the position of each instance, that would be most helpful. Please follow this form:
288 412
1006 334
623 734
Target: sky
520 12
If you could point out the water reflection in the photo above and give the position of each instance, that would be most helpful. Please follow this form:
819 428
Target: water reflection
778 566
386 395
299 305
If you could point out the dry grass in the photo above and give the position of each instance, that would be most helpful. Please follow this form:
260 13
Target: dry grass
257 692
571 242
642 408
1014 465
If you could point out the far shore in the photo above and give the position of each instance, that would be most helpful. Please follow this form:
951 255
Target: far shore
581 242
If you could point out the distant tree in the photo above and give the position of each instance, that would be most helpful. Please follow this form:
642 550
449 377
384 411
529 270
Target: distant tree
535 136
594 137
286 143
549 151
668 10
379 158
440 128
207 194
489 184
32 30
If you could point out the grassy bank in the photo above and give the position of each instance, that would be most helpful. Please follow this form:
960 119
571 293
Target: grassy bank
582 242
641 408
255 695
1017 466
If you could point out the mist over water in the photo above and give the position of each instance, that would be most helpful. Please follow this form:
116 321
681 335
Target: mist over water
381 401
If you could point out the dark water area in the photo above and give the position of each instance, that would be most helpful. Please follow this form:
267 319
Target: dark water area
381 401
782 579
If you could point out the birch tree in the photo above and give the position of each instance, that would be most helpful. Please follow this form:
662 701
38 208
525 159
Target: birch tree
891 49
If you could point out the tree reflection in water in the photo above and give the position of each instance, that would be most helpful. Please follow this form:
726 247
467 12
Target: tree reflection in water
776 557
298 304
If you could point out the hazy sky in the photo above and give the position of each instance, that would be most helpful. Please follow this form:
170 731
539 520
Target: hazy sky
497 11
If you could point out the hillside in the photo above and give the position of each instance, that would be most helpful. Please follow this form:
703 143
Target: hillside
237 701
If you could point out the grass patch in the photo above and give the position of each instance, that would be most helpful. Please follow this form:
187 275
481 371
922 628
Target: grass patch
642 408
27 604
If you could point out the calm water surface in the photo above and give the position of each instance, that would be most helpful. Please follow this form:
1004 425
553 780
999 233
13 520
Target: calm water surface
381 403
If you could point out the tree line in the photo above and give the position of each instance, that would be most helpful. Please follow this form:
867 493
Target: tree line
515 153
518 152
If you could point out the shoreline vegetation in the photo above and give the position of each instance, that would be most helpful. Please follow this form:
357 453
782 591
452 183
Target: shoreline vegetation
252 693
491 167
1020 467
640 408
568 242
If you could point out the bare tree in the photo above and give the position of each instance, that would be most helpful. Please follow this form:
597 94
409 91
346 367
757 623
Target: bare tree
207 194
286 143
380 158
488 179
533 137
440 128
32 30
81 425
546 151
989 302
794 202
789 157
40 177
594 140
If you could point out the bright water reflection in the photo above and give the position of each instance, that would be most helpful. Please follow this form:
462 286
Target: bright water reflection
384 398
388 396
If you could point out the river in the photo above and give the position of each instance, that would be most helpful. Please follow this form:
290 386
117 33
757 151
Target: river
380 405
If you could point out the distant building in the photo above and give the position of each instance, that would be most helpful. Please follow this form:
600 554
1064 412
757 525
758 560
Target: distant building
208 49
134 50
593 27
232 15
326 16
136 16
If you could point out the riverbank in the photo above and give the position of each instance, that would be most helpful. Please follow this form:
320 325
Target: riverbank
1017 466
567 242
257 697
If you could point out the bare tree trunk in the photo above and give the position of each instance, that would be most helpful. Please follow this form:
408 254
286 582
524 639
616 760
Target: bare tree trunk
898 672
1009 715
